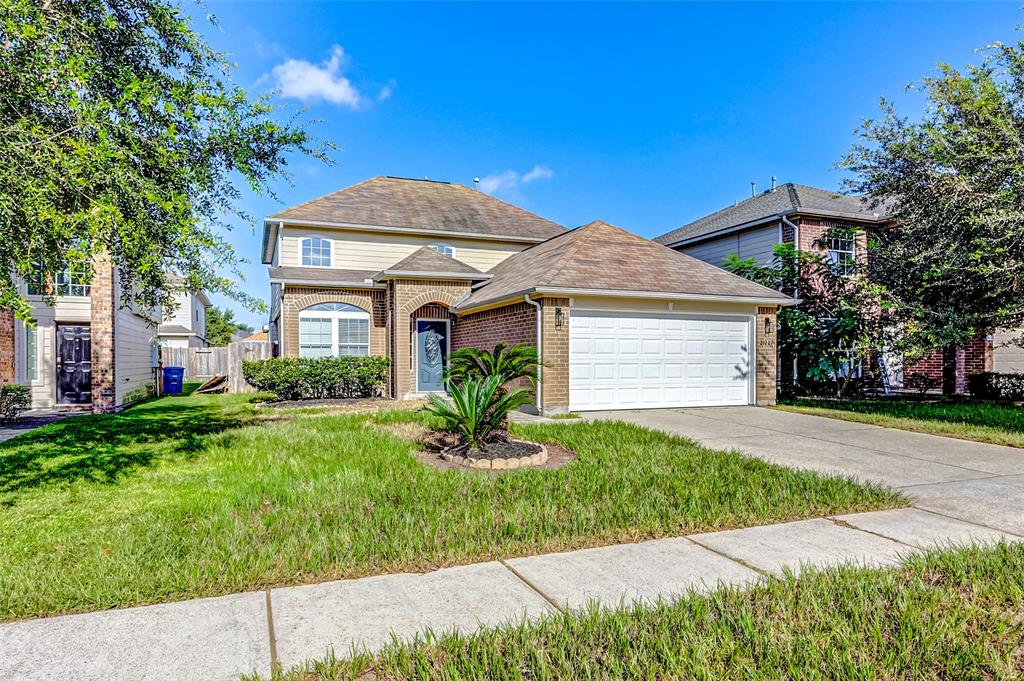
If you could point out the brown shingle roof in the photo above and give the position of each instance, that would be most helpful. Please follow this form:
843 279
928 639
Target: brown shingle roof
786 199
326 275
422 204
599 256
427 259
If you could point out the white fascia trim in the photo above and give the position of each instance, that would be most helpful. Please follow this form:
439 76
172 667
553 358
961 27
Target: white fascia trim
324 284
415 230
757 300
399 274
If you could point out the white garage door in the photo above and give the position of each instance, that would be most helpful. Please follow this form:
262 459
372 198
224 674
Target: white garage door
621 361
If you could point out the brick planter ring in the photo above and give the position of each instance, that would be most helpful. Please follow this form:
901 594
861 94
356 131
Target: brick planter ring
537 459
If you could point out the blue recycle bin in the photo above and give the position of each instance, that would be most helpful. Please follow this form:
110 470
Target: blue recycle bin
173 379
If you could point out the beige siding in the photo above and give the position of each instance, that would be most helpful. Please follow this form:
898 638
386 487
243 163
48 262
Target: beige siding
65 311
359 250
133 355
1006 357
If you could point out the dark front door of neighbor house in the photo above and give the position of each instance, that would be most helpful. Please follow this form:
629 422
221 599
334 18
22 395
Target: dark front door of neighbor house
431 355
74 364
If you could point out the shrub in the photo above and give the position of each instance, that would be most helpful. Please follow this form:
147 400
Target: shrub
509 362
922 383
14 399
990 385
477 408
303 378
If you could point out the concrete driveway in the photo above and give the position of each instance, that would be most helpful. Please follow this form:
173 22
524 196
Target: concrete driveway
979 483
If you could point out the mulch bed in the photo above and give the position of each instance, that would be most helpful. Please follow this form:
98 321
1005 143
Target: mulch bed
558 456
497 450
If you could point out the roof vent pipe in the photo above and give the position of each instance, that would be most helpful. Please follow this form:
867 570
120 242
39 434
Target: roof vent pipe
476 183
753 189
773 183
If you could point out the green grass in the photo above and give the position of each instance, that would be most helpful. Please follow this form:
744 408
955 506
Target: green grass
567 415
951 614
999 424
202 495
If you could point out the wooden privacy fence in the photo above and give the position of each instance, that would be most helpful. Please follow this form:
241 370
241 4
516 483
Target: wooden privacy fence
202 364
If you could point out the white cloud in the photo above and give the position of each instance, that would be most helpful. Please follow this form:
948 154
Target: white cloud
307 82
508 182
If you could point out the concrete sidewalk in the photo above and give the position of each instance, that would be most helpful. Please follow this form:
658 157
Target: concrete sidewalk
222 638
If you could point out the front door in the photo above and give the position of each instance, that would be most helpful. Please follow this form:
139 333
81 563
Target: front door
74 364
431 354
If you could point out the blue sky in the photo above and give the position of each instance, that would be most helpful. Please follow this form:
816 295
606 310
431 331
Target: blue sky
643 115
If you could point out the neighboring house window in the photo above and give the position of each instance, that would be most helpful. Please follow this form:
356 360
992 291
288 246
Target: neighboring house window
32 352
69 282
842 252
316 252
444 249
332 330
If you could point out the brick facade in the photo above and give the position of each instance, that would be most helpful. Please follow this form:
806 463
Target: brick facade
555 356
298 298
766 357
103 320
407 297
512 324
951 367
6 346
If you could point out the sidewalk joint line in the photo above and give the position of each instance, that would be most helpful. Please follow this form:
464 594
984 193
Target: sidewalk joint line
274 664
988 476
552 602
850 526
970 522
723 554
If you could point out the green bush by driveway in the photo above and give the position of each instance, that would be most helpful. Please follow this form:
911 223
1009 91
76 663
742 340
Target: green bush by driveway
991 422
204 495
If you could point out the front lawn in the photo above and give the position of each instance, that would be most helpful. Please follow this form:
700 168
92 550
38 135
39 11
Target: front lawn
953 614
998 424
202 495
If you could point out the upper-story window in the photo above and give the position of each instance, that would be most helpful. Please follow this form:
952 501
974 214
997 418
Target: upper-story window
69 282
316 252
444 249
842 255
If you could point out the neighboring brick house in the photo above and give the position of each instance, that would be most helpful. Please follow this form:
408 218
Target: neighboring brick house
413 269
90 349
794 213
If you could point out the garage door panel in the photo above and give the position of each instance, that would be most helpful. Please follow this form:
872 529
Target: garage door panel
622 361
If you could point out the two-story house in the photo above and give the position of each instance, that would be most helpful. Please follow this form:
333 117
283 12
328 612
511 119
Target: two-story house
413 269
802 215
90 349
185 325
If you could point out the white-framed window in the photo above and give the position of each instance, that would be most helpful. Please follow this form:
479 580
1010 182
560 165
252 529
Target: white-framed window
332 330
444 249
842 255
316 252
32 352
68 282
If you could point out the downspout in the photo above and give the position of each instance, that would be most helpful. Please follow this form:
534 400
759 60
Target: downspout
540 355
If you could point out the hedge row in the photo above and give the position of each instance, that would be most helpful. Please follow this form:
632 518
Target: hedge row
990 385
14 399
300 378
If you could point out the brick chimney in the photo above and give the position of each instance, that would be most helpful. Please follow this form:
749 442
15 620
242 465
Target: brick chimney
6 346
104 310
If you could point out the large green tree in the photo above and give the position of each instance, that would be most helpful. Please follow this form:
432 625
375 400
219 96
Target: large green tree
221 326
121 131
953 182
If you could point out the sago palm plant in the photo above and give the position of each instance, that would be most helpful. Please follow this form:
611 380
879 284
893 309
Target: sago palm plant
476 408
507 362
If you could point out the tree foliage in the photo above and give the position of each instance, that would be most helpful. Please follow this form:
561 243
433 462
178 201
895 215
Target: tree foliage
840 323
953 182
121 131
221 326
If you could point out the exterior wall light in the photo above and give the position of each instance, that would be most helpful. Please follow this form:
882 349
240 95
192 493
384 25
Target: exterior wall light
559 318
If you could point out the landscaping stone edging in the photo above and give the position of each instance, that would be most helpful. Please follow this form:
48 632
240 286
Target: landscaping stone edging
537 459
